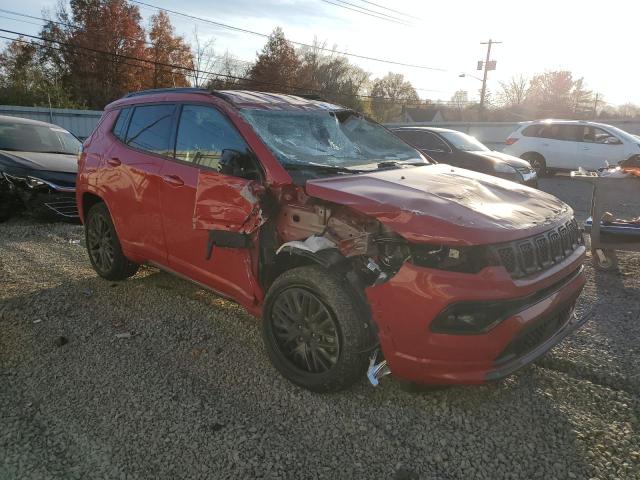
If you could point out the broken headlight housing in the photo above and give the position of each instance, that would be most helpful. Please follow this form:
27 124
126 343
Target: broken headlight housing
31 182
454 259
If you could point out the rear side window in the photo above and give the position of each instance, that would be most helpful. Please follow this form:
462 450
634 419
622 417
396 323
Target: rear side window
203 133
531 131
120 127
424 140
150 128
559 132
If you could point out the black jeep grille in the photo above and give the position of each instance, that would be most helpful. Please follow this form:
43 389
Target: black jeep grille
535 254
535 335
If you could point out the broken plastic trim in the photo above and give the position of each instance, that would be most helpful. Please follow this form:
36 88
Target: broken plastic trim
223 238
377 370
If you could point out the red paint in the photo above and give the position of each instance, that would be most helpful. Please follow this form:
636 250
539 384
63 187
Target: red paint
163 210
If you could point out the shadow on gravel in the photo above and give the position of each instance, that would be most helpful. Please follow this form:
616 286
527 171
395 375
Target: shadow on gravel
147 406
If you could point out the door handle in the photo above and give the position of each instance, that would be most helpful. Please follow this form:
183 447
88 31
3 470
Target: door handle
586 148
173 180
114 161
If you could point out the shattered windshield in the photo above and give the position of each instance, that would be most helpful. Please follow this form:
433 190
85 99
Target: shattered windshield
333 139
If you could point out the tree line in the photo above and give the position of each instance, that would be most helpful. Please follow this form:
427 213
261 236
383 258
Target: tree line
95 51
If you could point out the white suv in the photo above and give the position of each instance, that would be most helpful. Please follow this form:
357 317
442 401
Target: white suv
551 145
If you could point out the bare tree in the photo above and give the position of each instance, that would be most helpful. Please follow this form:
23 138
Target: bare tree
203 59
514 92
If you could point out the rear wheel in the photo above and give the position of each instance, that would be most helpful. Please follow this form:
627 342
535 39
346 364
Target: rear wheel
537 162
103 245
313 331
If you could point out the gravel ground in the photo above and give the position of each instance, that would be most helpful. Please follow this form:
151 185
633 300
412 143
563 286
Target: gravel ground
156 378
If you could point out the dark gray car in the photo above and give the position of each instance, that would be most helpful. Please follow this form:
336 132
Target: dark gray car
38 165
461 150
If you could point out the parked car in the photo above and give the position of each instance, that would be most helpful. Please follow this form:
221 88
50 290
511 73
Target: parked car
326 225
38 164
461 150
557 145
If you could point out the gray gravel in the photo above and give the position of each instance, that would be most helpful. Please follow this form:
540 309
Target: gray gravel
156 378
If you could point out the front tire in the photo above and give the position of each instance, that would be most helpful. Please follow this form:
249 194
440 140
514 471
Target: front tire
537 162
103 245
314 332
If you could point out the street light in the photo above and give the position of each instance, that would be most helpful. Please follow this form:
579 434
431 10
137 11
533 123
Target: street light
463 75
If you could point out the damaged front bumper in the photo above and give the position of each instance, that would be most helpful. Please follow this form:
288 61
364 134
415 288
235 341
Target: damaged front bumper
40 197
415 352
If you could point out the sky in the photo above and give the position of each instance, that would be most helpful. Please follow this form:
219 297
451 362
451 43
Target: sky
592 39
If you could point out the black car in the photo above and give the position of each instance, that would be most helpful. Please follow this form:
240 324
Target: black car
464 151
38 165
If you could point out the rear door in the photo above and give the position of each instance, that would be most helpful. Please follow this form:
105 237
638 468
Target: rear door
559 145
210 218
130 179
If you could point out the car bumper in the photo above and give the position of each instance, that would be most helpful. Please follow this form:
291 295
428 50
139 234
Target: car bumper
404 307
46 201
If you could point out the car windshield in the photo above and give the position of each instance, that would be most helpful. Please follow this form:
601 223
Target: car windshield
330 139
625 135
464 142
24 137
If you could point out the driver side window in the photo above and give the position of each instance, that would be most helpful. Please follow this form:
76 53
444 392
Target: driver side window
205 137
597 135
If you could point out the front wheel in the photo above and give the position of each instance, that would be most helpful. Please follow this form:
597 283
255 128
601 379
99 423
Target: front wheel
314 332
103 245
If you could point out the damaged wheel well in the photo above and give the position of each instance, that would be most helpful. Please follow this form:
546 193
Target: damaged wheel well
88 201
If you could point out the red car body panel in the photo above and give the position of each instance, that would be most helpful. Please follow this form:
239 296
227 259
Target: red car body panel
434 204
164 212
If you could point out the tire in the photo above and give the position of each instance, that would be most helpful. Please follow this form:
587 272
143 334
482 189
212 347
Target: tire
537 162
307 307
103 246
610 262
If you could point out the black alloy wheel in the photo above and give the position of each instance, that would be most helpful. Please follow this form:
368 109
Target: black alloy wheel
100 243
305 330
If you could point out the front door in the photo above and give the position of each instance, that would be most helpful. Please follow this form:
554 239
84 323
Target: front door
599 147
198 199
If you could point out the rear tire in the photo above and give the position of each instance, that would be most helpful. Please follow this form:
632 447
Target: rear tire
103 245
537 162
314 332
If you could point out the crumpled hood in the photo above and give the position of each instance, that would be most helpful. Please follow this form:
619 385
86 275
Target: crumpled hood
444 204
51 162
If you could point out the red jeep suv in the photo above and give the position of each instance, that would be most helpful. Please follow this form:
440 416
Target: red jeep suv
358 254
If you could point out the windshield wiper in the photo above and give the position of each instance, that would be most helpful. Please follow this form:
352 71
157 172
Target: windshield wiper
56 152
396 163
321 167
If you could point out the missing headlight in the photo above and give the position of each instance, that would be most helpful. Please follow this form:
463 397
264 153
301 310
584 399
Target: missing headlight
454 259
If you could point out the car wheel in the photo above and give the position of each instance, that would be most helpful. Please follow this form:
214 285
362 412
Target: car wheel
537 162
103 245
313 331
608 262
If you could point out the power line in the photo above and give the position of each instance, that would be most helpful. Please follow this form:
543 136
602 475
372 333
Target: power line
76 27
264 35
368 12
192 71
387 8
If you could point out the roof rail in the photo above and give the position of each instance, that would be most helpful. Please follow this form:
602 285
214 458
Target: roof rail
168 90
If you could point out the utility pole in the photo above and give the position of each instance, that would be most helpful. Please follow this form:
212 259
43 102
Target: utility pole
484 78
595 106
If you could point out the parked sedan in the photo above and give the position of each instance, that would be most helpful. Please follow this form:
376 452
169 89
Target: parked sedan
38 165
462 150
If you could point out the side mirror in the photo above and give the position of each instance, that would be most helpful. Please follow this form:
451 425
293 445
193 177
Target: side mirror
239 164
